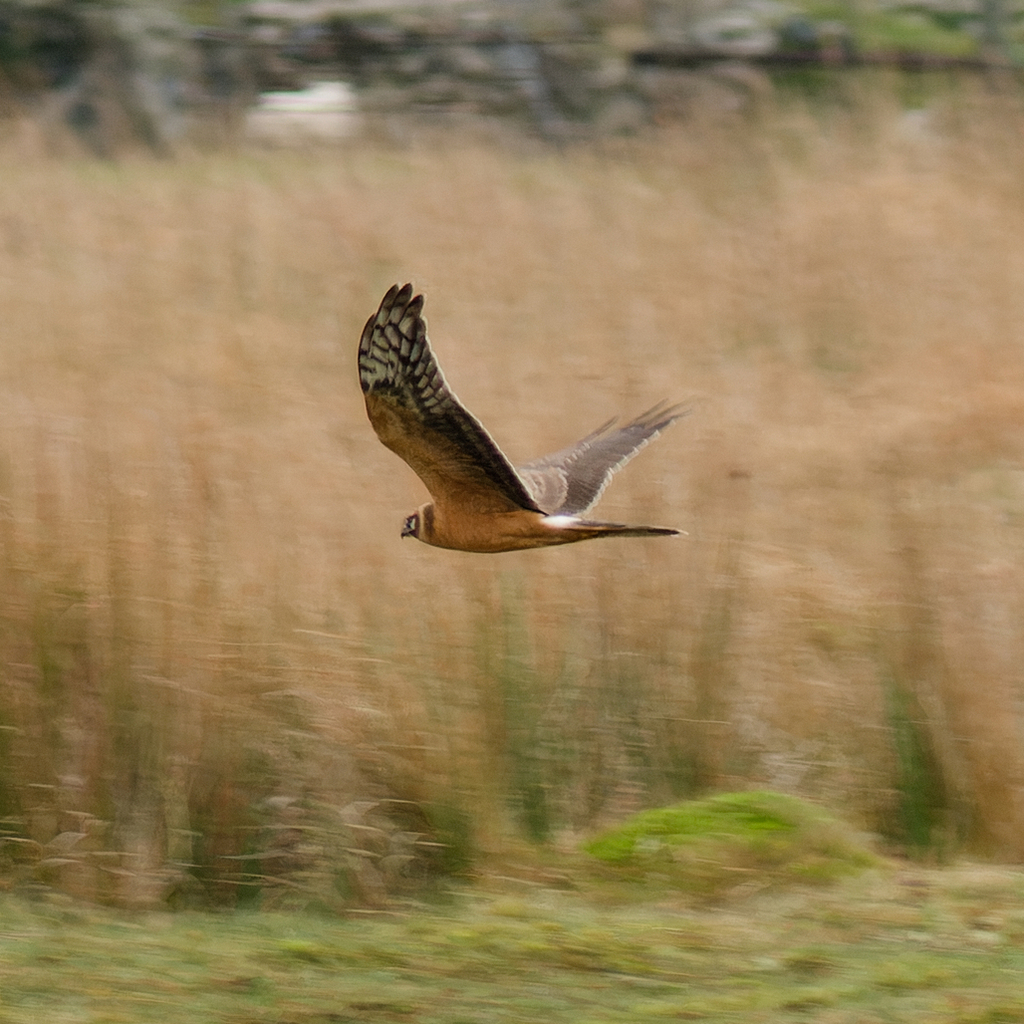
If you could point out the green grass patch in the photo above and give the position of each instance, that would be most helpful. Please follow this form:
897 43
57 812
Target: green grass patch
711 845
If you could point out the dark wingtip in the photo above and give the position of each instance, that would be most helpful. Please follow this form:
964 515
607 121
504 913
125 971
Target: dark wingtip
398 297
663 414
404 297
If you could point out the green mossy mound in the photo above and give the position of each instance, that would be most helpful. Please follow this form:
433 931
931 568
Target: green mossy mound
707 847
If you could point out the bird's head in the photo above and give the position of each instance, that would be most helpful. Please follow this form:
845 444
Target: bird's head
411 526
420 524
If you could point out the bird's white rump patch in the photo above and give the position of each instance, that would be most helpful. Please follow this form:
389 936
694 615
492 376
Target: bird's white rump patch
560 522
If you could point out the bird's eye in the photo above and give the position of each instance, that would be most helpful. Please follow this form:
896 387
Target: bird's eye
411 528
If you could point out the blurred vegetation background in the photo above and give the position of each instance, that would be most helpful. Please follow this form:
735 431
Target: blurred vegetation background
226 680
107 76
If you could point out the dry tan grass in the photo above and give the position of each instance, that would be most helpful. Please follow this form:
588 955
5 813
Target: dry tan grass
205 598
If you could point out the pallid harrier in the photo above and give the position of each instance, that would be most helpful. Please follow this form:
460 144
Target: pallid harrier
480 502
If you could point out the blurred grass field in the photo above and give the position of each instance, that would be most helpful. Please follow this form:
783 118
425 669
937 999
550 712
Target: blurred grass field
217 654
920 946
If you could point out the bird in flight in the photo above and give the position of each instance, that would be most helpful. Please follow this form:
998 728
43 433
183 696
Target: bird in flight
481 503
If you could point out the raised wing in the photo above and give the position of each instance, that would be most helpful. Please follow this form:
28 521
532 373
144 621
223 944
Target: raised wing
570 481
418 417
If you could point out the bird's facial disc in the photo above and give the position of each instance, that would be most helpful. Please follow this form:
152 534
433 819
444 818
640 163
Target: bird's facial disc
411 526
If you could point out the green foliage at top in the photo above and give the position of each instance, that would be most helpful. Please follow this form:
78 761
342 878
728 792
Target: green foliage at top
914 32
909 28
712 844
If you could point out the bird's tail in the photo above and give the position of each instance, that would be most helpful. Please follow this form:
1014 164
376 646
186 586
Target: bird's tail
585 528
